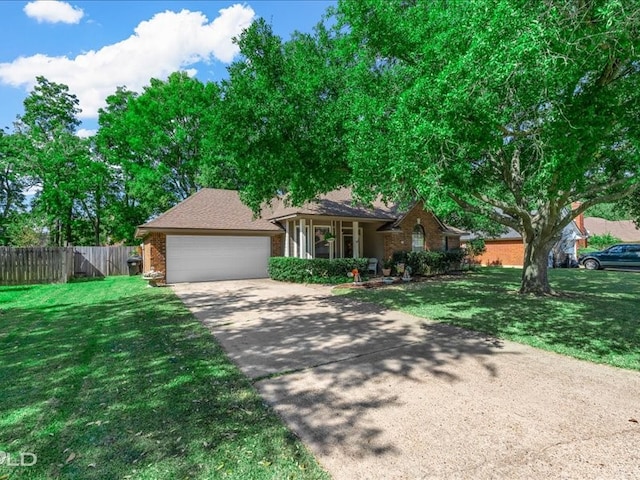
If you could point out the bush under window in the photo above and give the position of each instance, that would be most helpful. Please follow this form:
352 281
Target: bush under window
315 270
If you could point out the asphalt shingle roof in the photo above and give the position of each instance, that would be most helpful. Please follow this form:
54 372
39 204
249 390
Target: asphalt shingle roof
625 230
212 209
215 209
338 203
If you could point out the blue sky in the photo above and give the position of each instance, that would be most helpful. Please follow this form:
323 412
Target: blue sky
95 46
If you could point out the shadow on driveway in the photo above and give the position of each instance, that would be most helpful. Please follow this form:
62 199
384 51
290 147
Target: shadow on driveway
380 394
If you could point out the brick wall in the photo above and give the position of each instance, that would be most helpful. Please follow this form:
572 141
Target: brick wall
401 241
155 252
508 253
277 246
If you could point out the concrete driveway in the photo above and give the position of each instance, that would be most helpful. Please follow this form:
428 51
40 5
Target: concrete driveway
378 394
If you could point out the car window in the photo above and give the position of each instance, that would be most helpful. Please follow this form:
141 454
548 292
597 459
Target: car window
633 248
616 249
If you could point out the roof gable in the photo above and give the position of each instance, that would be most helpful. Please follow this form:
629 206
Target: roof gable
338 203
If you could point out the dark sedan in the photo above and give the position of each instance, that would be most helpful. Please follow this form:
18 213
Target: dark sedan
622 255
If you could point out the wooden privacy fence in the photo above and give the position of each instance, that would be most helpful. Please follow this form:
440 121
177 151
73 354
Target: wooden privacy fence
101 261
21 266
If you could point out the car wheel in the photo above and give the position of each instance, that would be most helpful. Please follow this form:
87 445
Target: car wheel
591 264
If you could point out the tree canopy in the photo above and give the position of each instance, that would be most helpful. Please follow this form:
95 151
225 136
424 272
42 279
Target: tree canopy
162 144
52 155
522 114
510 110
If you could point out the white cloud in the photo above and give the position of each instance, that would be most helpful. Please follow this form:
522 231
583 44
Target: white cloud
53 11
86 132
168 42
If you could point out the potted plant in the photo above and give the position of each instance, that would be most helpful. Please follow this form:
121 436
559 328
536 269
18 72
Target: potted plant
329 237
386 267
153 277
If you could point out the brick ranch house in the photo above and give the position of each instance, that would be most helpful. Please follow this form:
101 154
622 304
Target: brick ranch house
507 250
212 235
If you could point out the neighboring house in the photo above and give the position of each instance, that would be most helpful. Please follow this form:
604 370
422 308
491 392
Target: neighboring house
212 235
508 249
625 230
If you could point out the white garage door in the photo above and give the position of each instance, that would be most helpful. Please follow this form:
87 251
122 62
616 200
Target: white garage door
193 258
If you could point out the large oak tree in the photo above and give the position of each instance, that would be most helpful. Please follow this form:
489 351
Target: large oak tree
512 110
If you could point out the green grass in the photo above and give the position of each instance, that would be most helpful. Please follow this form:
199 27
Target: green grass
596 317
110 379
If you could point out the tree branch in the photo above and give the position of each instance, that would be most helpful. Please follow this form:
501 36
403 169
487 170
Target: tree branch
595 193
492 214
511 210
612 197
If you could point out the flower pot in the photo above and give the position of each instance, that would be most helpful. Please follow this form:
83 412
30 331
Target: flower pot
386 272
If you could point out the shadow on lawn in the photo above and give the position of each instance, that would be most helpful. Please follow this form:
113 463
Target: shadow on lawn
129 386
350 343
594 317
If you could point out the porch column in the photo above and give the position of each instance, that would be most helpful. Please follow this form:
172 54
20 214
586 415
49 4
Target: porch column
302 247
287 240
356 240
332 245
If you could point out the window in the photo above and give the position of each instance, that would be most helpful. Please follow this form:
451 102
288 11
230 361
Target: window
417 239
322 246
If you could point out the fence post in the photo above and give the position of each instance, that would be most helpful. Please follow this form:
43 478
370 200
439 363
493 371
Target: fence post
63 266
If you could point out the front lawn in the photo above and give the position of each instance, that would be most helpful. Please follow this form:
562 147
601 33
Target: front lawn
110 379
596 319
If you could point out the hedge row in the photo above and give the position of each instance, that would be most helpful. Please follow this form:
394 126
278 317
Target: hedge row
315 270
430 263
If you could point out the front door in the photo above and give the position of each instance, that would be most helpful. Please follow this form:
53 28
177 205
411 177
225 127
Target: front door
347 243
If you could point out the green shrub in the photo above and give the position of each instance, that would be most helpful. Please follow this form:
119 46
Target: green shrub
399 257
600 242
476 247
315 270
431 263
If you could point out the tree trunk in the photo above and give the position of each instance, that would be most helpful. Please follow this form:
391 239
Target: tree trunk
57 239
534 272
67 227
97 229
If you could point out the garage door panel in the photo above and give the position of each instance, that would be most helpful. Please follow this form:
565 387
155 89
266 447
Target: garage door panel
203 258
